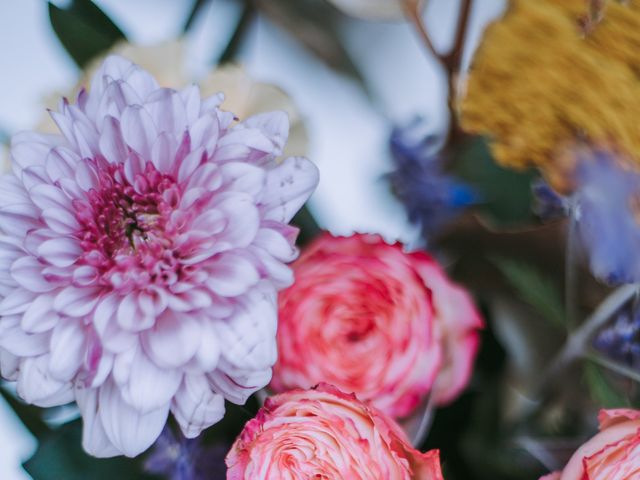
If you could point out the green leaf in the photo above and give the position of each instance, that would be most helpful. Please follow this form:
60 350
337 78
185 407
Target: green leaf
601 392
60 456
506 195
84 30
314 24
534 288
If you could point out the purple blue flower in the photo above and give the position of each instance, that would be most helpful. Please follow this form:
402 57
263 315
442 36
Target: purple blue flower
431 196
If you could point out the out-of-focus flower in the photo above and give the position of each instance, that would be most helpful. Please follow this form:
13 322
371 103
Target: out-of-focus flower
613 454
538 83
242 95
374 320
606 203
178 458
621 340
324 433
141 254
431 197
374 9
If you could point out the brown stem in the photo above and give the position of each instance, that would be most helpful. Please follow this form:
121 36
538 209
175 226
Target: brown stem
452 61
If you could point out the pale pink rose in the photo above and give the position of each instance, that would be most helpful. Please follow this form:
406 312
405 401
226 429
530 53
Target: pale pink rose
613 454
141 250
371 319
325 433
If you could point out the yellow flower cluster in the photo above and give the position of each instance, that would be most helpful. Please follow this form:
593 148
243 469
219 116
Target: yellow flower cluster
540 83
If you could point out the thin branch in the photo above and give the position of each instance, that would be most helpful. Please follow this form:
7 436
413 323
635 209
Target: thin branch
613 366
454 57
570 270
413 12
578 342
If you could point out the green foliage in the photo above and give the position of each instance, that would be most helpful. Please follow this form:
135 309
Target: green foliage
84 30
60 456
601 391
506 194
534 288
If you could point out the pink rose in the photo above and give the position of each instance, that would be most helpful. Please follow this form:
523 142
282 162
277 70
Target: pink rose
371 319
613 454
325 433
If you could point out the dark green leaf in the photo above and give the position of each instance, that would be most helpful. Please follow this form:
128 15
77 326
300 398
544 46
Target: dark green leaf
506 195
309 229
84 30
312 23
195 10
534 288
60 456
601 392
29 415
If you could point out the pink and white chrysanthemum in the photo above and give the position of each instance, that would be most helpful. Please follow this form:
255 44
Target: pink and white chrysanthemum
140 255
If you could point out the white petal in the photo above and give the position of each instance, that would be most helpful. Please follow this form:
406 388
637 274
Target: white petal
195 406
27 272
289 185
16 302
172 341
149 387
243 177
138 130
231 275
60 251
75 301
37 386
130 431
40 317
17 342
68 345
94 439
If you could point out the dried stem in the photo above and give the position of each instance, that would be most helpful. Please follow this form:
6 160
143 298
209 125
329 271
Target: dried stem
578 342
452 61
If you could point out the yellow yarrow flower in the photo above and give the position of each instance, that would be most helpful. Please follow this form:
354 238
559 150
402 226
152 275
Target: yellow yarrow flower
540 83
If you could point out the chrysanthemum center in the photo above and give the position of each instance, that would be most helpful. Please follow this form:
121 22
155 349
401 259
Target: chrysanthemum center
127 226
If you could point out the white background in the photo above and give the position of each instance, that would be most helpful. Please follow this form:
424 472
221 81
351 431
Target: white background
348 132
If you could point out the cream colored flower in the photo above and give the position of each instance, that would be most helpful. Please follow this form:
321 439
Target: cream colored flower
243 95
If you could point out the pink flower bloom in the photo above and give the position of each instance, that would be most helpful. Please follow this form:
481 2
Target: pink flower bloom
613 454
140 256
324 433
371 319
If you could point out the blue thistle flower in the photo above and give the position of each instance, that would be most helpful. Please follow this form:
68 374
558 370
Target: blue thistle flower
179 458
432 197
621 340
